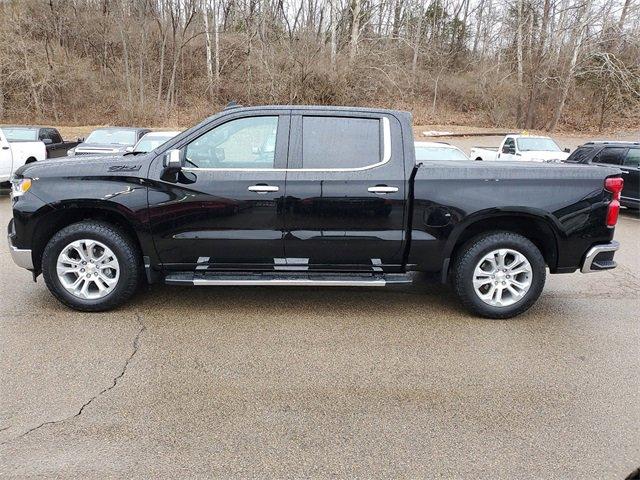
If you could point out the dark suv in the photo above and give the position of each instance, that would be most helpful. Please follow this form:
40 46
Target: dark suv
625 155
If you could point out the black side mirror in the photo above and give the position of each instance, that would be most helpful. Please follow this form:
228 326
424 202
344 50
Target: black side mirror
173 160
47 141
567 150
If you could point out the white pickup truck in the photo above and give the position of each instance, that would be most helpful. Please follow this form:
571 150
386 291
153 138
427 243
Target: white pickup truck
528 148
15 152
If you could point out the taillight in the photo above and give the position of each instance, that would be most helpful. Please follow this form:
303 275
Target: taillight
613 185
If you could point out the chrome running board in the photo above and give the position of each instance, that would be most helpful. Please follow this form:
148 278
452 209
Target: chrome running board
280 280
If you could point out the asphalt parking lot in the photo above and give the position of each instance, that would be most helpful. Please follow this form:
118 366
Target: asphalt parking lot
285 382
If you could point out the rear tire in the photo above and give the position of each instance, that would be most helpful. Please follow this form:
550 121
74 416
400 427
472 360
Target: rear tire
498 275
107 286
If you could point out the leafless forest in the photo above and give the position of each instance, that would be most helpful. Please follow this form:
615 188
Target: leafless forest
544 64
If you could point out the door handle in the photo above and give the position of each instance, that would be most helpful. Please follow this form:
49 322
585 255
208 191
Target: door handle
261 189
382 189
625 171
5 148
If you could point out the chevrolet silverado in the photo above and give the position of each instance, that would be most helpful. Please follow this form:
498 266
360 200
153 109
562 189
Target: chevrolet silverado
310 196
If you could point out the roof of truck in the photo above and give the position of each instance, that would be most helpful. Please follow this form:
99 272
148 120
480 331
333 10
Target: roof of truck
313 107
26 127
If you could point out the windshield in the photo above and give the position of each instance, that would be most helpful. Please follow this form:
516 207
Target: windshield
119 137
533 144
148 143
20 134
439 153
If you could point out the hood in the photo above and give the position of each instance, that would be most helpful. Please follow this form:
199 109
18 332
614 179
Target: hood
544 155
87 166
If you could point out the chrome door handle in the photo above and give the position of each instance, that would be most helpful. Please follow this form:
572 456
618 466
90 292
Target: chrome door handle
625 171
382 189
260 189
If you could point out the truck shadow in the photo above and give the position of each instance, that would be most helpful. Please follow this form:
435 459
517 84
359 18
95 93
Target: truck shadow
426 297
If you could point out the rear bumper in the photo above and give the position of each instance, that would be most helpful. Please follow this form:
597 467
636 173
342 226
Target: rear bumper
21 257
600 257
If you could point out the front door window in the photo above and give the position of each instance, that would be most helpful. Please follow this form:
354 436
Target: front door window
245 143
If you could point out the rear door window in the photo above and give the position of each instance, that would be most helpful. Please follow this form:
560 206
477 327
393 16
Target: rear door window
633 158
610 156
340 142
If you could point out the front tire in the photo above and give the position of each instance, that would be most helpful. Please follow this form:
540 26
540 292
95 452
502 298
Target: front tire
499 275
91 266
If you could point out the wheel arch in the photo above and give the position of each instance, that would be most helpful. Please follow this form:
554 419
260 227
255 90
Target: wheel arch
538 227
68 214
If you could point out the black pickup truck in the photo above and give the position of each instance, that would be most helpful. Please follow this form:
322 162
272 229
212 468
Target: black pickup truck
319 196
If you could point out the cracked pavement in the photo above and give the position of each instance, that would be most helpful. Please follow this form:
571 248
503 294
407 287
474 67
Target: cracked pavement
285 382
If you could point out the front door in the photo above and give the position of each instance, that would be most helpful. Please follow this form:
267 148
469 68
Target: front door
223 211
345 199
508 149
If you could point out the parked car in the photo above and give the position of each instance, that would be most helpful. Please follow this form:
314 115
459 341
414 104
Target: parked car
53 142
16 152
340 201
528 148
625 155
438 151
151 141
109 141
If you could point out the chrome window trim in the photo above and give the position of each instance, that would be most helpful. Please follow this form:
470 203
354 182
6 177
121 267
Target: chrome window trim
386 157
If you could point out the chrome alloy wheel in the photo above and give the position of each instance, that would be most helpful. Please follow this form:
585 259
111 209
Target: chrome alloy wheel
502 277
88 269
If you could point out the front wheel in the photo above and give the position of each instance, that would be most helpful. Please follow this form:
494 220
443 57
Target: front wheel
91 266
499 275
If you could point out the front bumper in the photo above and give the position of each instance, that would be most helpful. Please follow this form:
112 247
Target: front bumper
21 257
600 257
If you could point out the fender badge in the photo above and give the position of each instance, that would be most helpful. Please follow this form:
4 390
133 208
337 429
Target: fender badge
124 168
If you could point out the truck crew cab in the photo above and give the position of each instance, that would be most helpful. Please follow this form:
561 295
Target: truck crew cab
322 196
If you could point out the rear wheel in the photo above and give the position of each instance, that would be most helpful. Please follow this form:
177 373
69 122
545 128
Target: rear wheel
91 266
499 275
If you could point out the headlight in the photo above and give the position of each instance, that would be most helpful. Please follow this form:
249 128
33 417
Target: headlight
71 152
20 186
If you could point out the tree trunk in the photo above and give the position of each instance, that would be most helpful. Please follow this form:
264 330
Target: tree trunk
207 43
127 74
356 6
416 44
576 45
566 82
519 55
334 47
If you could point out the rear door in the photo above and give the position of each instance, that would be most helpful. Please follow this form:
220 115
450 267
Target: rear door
224 210
345 193
630 173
